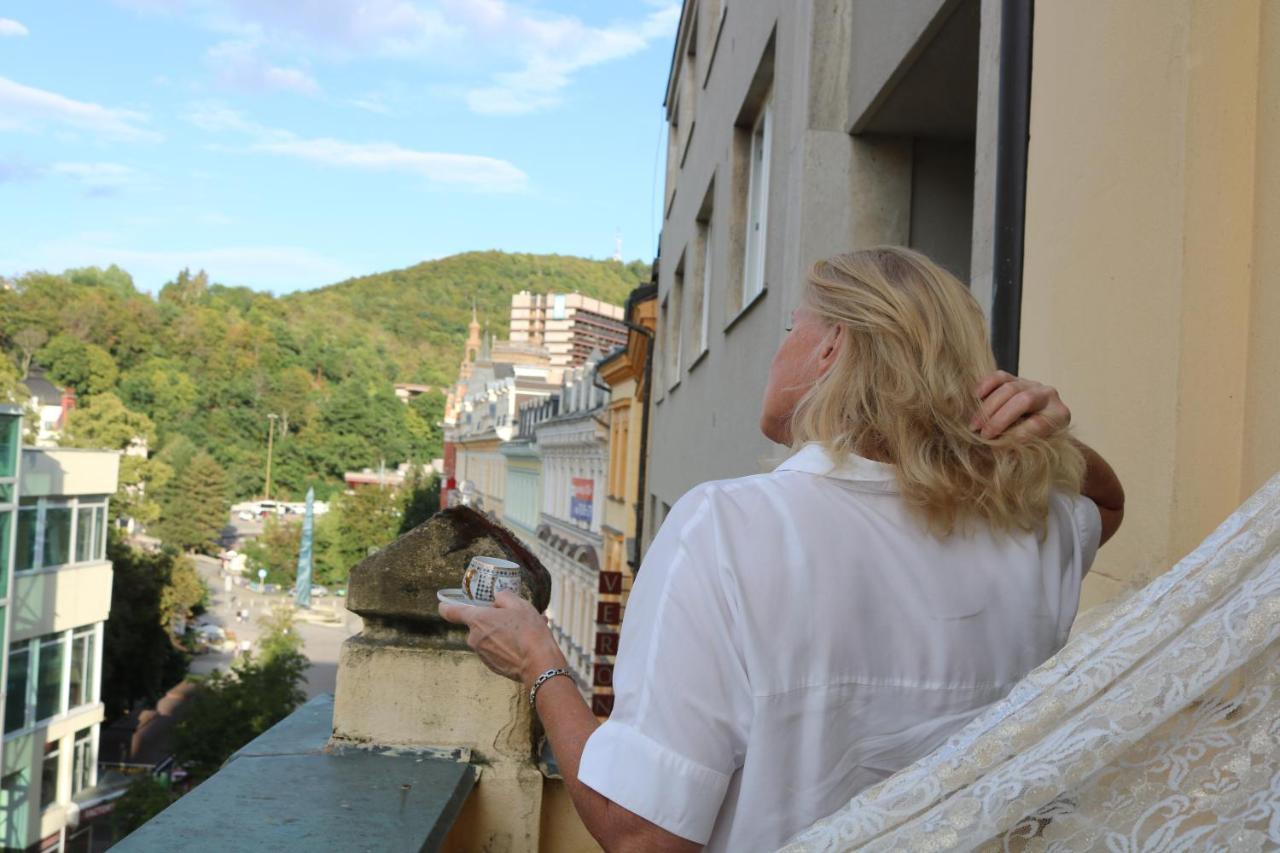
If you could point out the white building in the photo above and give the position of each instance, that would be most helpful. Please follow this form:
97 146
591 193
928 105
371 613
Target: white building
571 326
574 449
61 585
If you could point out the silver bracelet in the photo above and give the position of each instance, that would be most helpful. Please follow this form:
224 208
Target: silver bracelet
543 679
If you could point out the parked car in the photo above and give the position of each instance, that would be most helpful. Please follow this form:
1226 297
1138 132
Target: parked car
245 515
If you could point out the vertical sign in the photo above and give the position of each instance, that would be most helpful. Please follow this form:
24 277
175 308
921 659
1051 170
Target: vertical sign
581 499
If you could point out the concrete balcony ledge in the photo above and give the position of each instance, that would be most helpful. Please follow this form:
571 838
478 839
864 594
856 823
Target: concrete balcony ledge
290 790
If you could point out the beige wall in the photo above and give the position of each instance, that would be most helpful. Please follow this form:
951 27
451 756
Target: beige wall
64 472
51 600
1149 297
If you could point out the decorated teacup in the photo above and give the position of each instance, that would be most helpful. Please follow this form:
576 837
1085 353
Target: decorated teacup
486 576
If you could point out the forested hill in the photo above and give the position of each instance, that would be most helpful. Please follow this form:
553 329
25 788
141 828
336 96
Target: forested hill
419 314
199 366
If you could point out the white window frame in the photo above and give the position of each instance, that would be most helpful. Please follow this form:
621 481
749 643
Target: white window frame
755 247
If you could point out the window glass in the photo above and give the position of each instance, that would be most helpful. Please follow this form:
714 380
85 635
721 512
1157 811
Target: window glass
100 531
25 555
49 775
13 810
10 438
6 493
49 679
84 534
6 525
81 688
82 761
15 700
57 535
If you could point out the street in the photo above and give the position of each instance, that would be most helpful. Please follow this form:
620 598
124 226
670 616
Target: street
322 639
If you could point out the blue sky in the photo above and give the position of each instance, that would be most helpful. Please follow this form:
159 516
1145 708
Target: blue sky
290 144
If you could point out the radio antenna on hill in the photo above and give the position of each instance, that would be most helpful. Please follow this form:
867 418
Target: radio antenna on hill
617 246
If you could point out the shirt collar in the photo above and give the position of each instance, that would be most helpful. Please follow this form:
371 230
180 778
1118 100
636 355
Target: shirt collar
813 458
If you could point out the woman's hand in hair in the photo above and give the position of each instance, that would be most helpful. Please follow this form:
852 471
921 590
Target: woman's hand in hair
1020 407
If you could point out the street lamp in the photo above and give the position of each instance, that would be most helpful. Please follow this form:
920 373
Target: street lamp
271 435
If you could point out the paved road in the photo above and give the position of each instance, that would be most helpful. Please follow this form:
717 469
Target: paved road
322 642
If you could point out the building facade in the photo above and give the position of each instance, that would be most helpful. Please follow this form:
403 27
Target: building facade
569 325
626 372
61 584
1092 196
573 447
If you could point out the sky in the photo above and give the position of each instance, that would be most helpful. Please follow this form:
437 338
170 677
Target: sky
288 144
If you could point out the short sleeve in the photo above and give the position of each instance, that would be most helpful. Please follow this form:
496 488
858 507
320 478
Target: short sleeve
682 704
1088 527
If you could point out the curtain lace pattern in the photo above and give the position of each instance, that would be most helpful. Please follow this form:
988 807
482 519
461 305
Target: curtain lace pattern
1155 729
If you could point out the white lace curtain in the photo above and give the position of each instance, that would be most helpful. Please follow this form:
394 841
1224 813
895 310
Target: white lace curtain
1156 728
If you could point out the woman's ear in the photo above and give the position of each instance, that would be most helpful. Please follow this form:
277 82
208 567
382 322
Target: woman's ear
829 350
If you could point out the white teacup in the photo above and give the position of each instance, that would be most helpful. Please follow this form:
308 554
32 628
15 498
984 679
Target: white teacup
486 576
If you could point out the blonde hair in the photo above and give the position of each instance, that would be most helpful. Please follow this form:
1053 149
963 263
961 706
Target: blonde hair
903 391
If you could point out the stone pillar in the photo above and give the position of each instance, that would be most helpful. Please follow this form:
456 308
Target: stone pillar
409 680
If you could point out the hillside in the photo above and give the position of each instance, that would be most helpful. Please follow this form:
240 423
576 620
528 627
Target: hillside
419 314
205 364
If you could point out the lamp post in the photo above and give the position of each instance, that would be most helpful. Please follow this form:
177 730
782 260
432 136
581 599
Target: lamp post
271 435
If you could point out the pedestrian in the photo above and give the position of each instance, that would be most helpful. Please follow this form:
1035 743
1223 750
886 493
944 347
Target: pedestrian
793 638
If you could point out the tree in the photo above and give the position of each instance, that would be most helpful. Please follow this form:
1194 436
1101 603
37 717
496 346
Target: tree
355 526
184 594
421 499
145 798
29 340
276 550
228 711
424 418
195 506
140 660
102 421
87 368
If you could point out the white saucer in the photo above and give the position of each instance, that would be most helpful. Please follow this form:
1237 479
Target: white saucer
457 596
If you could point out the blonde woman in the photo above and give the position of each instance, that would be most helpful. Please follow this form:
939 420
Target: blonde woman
795 637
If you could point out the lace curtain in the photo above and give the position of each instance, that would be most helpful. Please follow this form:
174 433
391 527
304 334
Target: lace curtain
1156 728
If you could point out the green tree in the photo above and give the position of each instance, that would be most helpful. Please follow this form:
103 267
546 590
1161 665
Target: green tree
228 711
140 660
102 421
87 368
425 421
195 505
185 593
276 550
355 526
145 798
421 496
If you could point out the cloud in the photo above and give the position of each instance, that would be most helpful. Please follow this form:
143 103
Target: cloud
25 107
237 66
10 27
99 179
469 171
553 49
387 27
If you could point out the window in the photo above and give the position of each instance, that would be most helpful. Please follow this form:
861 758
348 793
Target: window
10 440
49 678
100 534
25 555
57 535
82 761
702 293
6 525
84 533
80 691
49 775
13 810
15 700
677 348
757 203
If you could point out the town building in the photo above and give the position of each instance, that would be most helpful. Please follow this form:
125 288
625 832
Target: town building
572 443
522 506
1104 178
49 405
626 372
406 391
53 552
571 326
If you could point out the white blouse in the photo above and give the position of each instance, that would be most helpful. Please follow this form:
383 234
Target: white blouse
795 637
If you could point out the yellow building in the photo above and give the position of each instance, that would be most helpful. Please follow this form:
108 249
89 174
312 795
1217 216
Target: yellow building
626 372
